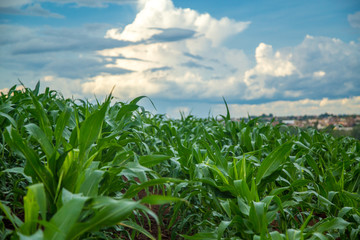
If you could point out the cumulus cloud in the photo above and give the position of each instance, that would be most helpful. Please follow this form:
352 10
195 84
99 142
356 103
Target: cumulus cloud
317 67
268 64
126 85
167 60
175 74
161 14
336 64
176 54
294 108
354 20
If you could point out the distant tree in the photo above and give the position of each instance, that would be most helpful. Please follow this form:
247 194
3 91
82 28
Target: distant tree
356 132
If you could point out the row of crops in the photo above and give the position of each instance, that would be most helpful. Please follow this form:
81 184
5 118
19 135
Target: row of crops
71 169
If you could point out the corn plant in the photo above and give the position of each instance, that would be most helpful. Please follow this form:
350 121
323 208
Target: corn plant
72 169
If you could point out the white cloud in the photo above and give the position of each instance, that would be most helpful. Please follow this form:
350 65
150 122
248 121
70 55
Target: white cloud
165 71
268 64
311 69
176 55
126 85
354 19
48 78
327 64
319 74
68 87
162 14
173 54
271 64
294 108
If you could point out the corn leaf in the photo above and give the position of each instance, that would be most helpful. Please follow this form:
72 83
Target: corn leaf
273 161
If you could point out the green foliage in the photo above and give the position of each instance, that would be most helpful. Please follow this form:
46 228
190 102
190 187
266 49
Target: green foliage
71 169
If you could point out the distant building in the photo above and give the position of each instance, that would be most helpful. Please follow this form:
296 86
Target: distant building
289 122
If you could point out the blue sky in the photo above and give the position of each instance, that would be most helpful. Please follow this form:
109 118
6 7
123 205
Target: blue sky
280 57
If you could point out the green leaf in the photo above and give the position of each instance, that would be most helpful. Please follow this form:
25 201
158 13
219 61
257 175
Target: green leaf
33 166
18 170
61 123
257 217
90 185
273 161
228 117
40 136
126 111
243 189
91 128
329 224
344 211
277 236
65 219
107 212
8 117
293 234
152 160
15 221
42 117
135 226
38 235
222 227
159 199
226 207
34 201
37 88
243 207
202 236
320 236
134 189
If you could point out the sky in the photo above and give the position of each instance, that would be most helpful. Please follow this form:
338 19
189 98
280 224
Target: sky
281 57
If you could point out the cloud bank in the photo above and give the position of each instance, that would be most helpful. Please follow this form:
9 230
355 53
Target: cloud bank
294 108
180 56
167 61
172 62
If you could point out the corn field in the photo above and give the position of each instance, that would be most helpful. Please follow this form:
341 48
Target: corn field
71 169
